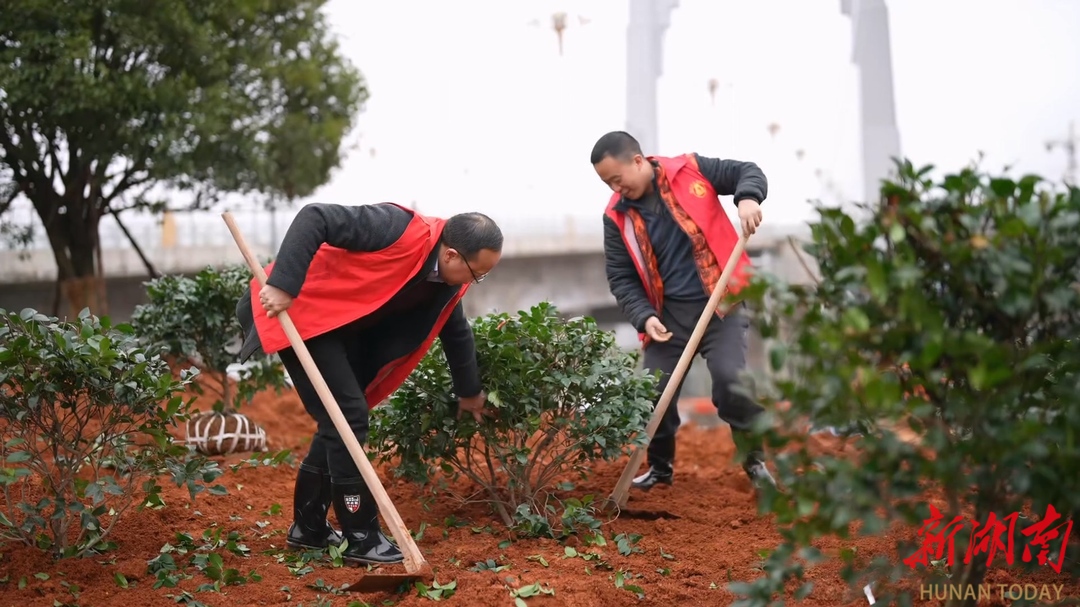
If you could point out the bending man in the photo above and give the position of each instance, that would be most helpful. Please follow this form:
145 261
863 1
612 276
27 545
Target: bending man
666 241
369 289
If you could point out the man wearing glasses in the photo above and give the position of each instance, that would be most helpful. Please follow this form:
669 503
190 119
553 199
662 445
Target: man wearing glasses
369 288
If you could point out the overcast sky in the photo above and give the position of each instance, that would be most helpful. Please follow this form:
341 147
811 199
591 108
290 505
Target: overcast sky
472 108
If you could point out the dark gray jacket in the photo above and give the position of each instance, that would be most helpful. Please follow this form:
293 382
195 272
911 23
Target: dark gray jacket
371 228
728 177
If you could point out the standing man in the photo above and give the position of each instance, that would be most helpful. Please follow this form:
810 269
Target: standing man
666 241
369 288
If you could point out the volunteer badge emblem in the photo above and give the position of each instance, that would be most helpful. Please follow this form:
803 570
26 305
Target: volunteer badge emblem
698 189
352 503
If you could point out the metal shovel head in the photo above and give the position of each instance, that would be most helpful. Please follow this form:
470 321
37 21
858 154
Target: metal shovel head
381 582
610 504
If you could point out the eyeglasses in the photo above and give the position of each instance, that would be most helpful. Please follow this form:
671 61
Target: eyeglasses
477 279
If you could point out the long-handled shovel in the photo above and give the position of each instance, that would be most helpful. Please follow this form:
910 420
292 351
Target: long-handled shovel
619 495
416 567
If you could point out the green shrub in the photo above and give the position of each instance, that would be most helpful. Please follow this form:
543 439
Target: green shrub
564 395
194 320
947 322
85 414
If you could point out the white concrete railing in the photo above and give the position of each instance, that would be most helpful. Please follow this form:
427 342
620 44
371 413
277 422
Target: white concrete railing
261 227
201 238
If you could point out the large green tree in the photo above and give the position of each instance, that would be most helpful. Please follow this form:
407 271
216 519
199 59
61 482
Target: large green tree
100 100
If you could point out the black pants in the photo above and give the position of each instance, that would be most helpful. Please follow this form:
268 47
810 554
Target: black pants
344 363
724 348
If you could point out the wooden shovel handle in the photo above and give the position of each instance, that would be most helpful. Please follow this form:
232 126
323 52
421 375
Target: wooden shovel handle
622 487
414 560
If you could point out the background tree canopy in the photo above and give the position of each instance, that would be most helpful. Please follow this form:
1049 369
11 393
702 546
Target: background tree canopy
100 100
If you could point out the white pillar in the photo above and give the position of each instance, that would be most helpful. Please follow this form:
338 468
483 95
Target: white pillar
872 57
649 19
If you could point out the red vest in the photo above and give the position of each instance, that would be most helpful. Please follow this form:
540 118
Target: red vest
343 286
700 201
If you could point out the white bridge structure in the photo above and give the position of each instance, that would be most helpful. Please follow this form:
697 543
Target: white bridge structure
558 259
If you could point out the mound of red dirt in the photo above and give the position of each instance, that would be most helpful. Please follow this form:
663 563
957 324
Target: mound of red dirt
702 533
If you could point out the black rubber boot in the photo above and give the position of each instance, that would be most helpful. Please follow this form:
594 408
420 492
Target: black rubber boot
311 503
359 517
658 474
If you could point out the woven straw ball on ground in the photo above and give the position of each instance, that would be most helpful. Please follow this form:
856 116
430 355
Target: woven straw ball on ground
213 433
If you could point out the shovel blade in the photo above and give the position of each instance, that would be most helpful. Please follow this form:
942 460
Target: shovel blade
611 504
381 582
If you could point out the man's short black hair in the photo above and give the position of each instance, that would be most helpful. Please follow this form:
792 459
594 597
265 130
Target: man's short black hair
470 233
617 144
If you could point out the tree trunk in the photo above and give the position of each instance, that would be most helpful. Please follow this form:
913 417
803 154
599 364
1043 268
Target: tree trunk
74 241
226 393
58 294
84 292
69 199
103 301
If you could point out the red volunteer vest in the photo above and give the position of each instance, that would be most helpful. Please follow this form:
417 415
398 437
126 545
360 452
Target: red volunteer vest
343 286
700 201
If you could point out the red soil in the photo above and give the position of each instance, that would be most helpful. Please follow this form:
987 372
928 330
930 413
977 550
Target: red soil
716 538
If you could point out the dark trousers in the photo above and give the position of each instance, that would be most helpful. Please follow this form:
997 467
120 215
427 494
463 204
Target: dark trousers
723 347
341 358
